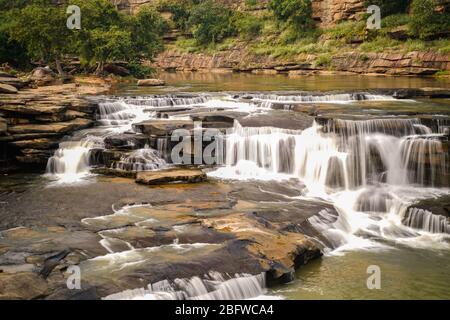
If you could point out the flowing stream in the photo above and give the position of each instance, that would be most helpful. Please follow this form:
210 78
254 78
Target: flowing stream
372 169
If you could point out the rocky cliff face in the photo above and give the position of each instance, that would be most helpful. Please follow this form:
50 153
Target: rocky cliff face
329 12
239 59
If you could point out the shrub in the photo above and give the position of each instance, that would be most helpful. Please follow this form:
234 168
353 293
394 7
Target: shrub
211 22
295 12
248 26
324 60
426 23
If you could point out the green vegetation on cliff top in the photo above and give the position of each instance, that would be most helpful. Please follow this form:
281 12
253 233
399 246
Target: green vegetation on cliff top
35 30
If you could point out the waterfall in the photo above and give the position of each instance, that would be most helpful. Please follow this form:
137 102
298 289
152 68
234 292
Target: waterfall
71 161
213 286
370 170
426 220
425 159
268 99
145 159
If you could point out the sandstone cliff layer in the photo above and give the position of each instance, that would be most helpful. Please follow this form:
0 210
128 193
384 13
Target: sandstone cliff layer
240 60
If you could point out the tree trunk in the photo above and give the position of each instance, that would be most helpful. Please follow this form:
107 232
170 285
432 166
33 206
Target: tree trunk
59 67
100 67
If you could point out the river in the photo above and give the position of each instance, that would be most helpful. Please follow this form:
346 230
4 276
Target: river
366 153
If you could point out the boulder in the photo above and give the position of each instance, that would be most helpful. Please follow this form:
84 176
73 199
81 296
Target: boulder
22 286
151 83
7 88
42 76
171 176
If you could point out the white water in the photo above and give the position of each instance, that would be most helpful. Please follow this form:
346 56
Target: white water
213 286
370 170
267 100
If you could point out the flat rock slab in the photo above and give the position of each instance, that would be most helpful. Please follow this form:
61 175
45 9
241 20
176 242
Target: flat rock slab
163 127
3 126
151 83
59 127
6 88
33 109
171 176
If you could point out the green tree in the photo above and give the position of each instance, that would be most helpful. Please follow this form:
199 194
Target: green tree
42 30
298 13
107 35
426 23
211 22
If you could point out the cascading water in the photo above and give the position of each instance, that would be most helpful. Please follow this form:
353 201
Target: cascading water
267 100
145 159
370 170
213 286
71 162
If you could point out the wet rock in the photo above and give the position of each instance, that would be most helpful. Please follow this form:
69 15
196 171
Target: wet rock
171 176
162 127
22 286
114 173
42 143
126 141
6 88
439 206
151 83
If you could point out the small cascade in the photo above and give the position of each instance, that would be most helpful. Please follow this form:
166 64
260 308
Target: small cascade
268 99
164 101
71 160
388 126
141 160
213 286
425 220
370 170
426 160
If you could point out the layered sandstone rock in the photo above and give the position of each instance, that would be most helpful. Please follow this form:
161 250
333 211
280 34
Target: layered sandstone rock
34 121
239 59
330 12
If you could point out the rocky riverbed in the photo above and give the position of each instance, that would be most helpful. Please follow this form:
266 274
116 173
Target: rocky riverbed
305 173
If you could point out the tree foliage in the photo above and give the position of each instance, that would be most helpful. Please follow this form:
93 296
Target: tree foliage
426 22
211 22
298 13
106 34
